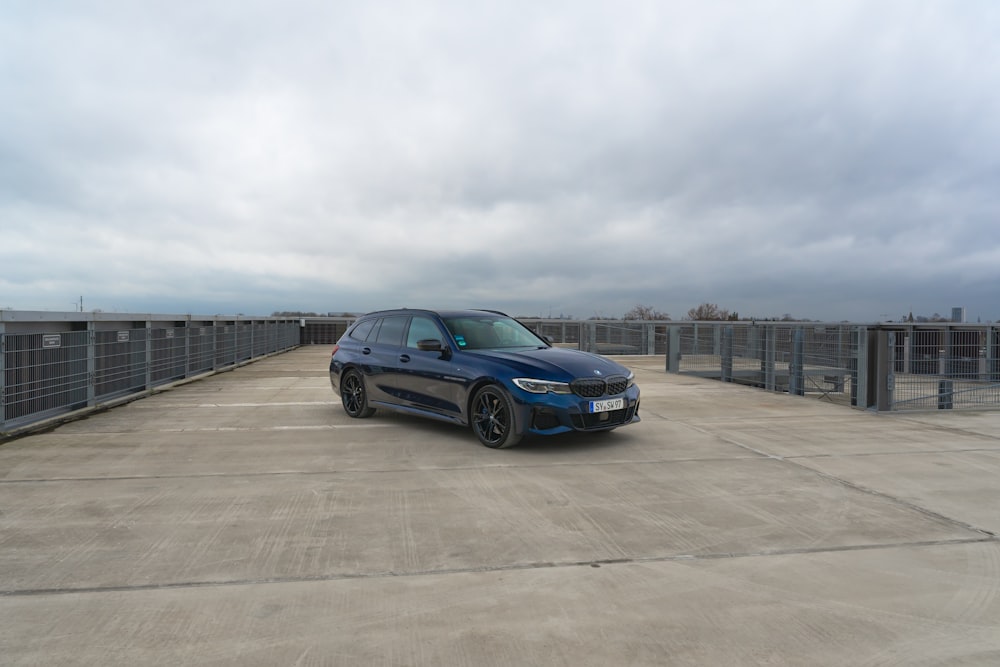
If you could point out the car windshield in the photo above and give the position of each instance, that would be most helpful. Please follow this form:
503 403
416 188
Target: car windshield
491 333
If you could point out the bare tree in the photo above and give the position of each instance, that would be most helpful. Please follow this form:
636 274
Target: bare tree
708 311
641 312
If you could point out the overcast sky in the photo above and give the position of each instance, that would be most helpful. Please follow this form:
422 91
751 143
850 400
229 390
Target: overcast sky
831 159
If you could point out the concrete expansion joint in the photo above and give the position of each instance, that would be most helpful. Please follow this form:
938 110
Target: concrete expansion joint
895 499
541 565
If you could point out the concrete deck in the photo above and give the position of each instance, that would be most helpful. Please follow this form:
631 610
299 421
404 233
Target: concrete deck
243 519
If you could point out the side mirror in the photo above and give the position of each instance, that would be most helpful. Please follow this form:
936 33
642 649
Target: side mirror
434 345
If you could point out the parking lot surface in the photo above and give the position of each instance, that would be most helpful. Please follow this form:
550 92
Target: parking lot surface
245 519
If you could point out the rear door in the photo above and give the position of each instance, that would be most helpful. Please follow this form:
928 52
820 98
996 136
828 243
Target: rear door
381 353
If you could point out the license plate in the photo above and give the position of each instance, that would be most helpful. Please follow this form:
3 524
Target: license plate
607 405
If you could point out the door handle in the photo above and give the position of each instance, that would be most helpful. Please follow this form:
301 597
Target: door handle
405 358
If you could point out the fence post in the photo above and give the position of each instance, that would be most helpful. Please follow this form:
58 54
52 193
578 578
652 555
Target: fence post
796 365
946 394
219 342
885 375
91 363
859 376
854 385
867 347
727 354
769 356
149 355
907 352
984 355
650 339
992 348
187 346
944 352
673 349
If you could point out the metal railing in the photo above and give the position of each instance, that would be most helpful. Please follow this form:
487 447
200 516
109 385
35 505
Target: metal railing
944 366
797 358
883 367
52 364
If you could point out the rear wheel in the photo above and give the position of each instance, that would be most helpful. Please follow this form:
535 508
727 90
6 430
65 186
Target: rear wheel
493 418
354 397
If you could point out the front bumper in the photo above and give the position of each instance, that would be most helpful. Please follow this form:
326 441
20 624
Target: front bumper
549 414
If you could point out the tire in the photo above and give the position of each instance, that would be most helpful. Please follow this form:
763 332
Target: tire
492 418
353 395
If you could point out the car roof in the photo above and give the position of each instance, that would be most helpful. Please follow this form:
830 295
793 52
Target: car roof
469 312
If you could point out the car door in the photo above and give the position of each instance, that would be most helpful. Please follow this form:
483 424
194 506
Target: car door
381 352
430 380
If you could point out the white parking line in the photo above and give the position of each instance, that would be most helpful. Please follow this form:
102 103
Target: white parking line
319 427
233 405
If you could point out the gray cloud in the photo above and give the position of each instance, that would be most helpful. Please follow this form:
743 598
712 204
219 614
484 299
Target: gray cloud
833 160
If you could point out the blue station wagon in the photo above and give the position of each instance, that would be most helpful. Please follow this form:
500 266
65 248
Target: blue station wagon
481 369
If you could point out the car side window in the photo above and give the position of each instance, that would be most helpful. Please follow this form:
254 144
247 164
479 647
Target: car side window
391 331
422 328
361 331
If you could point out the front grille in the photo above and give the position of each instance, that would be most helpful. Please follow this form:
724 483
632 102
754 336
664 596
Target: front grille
597 387
617 385
589 388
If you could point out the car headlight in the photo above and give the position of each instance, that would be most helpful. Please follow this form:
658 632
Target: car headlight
542 386
631 379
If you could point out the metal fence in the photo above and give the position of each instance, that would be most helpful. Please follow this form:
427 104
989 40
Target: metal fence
885 367
55 363
821 359
946 367
605 336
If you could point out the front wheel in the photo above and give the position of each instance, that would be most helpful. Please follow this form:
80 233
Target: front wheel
354 396
493 418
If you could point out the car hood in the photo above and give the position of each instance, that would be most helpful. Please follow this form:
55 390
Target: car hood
555 363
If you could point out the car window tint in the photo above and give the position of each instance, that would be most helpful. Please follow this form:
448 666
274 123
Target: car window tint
391 331
487 332
361 331
422 328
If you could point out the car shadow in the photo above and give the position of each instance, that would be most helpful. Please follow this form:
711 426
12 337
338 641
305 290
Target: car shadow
540 444
577 441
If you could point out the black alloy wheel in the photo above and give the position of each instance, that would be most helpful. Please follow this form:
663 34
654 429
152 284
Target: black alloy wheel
352 393
493 418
